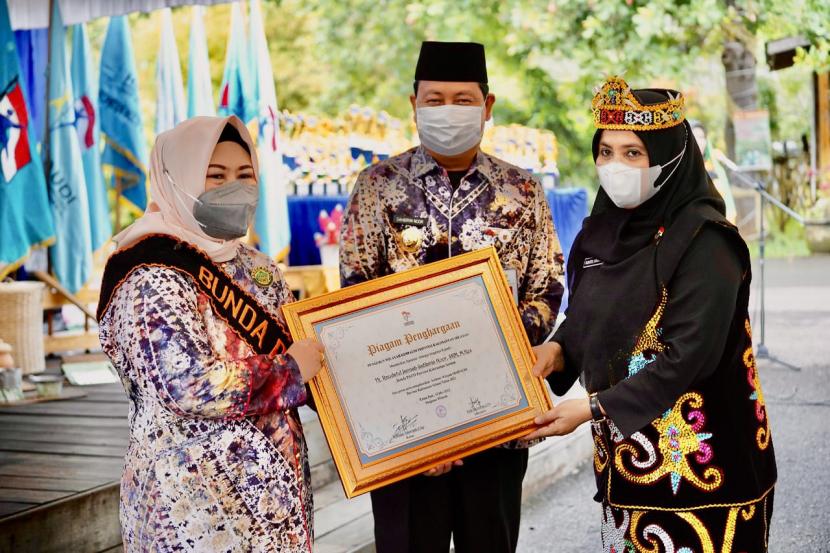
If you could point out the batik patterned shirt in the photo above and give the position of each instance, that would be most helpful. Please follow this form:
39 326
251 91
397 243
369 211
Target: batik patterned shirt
495 204
216 460
405 212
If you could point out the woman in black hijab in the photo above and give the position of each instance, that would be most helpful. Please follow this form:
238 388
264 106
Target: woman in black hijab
658 332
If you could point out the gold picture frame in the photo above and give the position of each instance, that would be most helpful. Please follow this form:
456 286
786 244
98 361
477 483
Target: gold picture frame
359 471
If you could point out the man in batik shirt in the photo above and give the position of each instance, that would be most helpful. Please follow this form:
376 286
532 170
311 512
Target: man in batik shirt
441 199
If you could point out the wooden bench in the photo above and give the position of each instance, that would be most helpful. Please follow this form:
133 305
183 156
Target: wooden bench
60 463
57 296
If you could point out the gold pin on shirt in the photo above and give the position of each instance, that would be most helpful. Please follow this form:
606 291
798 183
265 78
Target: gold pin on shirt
262 277
411 239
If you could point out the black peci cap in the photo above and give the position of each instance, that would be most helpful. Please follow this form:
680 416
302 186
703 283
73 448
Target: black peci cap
451 61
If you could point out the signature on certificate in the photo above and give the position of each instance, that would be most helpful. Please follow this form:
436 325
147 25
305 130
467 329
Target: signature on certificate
405 426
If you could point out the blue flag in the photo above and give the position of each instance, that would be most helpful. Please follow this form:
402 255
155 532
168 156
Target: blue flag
125 152
33 53
199 89
236 96
87 125
25 216
72 253
170 106
271 224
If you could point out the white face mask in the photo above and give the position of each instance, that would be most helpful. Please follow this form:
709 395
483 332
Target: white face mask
629 187
449 130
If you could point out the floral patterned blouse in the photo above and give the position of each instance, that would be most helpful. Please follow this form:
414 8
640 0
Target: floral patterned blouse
217 460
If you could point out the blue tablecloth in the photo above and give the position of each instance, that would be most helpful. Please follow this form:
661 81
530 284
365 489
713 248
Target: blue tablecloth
567 205
302 214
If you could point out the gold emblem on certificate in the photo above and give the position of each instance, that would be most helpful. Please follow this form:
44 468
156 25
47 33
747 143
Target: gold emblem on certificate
422 367
262 277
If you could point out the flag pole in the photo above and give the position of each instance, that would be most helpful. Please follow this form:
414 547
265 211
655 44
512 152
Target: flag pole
45 146
50 313
118 189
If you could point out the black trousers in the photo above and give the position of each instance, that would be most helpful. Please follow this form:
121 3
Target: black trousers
478 504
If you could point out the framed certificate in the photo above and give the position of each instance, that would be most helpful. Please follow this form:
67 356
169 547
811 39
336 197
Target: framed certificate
421 368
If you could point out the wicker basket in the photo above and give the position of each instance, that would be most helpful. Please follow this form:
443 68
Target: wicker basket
21 323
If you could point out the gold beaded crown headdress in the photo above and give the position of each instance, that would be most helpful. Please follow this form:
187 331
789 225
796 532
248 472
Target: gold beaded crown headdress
615 107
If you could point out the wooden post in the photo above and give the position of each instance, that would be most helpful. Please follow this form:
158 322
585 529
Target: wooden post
823 125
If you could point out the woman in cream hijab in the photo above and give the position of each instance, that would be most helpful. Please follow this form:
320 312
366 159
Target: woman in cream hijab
190 317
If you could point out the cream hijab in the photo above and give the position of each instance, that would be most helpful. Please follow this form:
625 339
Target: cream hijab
180 160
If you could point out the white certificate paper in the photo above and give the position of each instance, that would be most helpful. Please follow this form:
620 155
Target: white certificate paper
428 365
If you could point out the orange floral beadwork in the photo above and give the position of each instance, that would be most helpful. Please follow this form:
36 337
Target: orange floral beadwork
762 435
679 438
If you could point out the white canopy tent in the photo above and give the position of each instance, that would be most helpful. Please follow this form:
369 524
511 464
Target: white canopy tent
34 14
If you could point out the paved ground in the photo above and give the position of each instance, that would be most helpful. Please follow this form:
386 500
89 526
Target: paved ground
563 519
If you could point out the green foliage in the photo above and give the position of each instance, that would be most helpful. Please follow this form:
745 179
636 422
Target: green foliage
545 57
789 242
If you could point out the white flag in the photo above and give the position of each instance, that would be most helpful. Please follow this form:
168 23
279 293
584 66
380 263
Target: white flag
199 89
170 104
271 223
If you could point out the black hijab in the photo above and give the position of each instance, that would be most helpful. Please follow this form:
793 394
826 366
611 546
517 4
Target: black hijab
613 234
231 134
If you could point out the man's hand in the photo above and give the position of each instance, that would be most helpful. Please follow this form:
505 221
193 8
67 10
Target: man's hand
562 419
443 469
549 358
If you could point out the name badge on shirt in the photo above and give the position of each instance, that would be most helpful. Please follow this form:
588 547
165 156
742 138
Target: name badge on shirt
513 280
408 220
